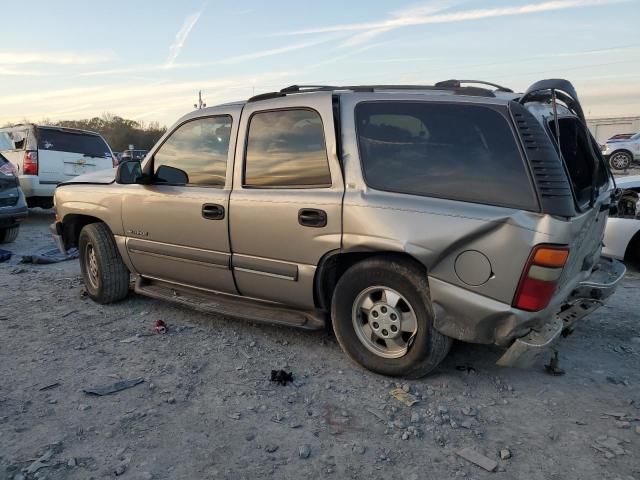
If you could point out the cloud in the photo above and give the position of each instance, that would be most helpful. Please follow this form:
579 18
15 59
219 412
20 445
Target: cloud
428 15
138 99
181 37
54 58
231 60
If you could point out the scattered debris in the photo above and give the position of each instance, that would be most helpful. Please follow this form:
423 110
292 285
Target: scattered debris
160 327
83 407
102 390
553 368
465 368
50 386
281 377
610 446
505 454
41 462
5 255
48 255
271 448
482 461
618 381
304 451
408 399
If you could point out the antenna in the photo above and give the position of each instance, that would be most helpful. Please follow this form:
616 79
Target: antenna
200 105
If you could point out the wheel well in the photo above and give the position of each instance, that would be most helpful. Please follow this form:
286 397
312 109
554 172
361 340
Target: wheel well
72 225
333 265
628 152
632 253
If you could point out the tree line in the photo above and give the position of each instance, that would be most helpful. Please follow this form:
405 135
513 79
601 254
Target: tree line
117 131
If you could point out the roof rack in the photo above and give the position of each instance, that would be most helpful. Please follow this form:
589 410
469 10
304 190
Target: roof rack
454 85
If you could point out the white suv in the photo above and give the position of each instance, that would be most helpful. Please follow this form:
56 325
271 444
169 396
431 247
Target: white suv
621 150
46 156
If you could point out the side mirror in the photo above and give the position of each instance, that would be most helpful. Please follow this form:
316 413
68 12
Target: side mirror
171 175
129 172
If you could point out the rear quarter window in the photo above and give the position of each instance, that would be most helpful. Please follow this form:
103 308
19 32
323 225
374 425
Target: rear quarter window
453 151
62 141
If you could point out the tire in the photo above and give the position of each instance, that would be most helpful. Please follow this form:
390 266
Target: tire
620 160
106 277
9 234
425 347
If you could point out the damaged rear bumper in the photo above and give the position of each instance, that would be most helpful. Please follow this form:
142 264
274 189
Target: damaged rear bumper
584 299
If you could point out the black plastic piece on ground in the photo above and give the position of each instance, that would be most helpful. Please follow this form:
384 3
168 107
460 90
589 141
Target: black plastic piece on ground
281 377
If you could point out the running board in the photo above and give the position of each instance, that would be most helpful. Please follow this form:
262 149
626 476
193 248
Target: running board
233 306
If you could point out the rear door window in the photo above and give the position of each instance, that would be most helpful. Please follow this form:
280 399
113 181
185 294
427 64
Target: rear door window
453 151
71 142
286 148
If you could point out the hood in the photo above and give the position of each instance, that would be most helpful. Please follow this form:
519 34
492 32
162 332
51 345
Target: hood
99 177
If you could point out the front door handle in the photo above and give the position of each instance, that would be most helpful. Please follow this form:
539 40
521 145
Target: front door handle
312 217
212 211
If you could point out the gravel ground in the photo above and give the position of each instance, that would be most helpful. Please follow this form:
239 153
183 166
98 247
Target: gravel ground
207 410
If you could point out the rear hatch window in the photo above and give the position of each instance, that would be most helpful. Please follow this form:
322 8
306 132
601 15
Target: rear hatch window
582 159
454 151
71 142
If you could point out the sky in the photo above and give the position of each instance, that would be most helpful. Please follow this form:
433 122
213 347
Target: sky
147 60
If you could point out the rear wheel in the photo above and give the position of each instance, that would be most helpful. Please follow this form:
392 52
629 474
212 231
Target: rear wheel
106 277
9 234
383 319
620 160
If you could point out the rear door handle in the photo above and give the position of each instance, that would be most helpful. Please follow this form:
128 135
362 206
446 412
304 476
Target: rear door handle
212 211
312 217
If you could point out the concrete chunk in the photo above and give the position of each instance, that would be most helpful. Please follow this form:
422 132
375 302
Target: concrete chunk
472 456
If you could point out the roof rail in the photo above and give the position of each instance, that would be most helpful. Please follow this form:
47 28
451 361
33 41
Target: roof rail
447 85
458 84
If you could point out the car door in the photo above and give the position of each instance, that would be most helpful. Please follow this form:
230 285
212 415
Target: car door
177 227
286 205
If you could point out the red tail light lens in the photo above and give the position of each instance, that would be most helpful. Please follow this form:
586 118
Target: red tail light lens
540 277
30 163
114 160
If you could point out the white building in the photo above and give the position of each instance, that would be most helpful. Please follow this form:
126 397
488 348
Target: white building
605 128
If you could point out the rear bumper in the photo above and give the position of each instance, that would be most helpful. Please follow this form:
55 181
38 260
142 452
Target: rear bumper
584 299
32 187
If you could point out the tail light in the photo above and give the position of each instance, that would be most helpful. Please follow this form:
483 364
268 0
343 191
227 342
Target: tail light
8 168
540 277
114 160
30 163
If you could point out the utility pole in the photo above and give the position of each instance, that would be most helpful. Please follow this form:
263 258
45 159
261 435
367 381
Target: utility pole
200 105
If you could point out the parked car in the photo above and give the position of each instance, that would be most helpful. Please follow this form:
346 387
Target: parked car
137 155
622 235
404 216
46 156
621 150
13 206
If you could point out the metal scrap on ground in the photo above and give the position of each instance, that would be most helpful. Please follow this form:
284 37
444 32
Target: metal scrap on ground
405 397
102 390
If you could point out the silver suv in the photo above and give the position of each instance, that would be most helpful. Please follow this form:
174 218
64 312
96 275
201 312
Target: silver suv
402 216
621 150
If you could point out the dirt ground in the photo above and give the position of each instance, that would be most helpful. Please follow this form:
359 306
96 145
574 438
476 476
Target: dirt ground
207 409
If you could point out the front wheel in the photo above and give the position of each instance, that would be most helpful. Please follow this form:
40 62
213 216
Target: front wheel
106 277
383 319
620 160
